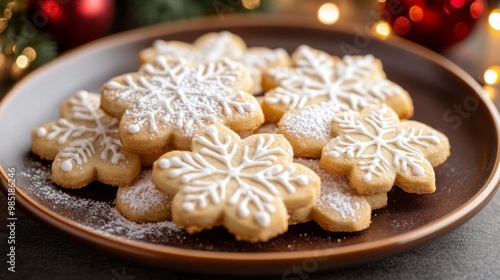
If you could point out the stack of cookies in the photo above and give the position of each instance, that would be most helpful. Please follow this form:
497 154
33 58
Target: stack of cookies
217 134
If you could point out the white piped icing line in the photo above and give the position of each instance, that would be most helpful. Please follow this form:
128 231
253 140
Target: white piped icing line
222 45
83 138
379 142
173 92
256 176
353 83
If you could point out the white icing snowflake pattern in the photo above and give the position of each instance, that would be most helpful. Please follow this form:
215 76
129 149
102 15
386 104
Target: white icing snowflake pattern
351 83
87 127
378 143
173 93
213 175
216 46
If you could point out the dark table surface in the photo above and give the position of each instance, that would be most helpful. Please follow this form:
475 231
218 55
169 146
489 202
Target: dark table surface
470 252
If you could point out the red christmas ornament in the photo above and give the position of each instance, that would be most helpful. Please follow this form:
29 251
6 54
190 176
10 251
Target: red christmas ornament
436 24
72 22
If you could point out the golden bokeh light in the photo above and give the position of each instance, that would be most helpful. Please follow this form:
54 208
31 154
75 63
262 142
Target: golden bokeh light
492 75
250 4
494 19
2 60
3 24
30 53
22 61
12 5
382 29
7 13
328 13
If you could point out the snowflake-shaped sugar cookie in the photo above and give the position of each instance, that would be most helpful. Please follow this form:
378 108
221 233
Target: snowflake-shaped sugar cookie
85 146
339 208
246 185
167 101
216 46
351 83
376 151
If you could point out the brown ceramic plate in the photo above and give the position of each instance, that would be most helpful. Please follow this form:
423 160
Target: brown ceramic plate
444 96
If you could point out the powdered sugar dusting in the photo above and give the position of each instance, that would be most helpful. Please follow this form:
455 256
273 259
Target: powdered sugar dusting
42 188
335 191
158 232
94 214
314 122
142 195
346 205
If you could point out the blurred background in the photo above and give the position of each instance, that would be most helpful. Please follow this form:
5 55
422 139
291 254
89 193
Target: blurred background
34 32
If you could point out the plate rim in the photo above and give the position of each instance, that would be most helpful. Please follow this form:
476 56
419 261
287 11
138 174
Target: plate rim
403 241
